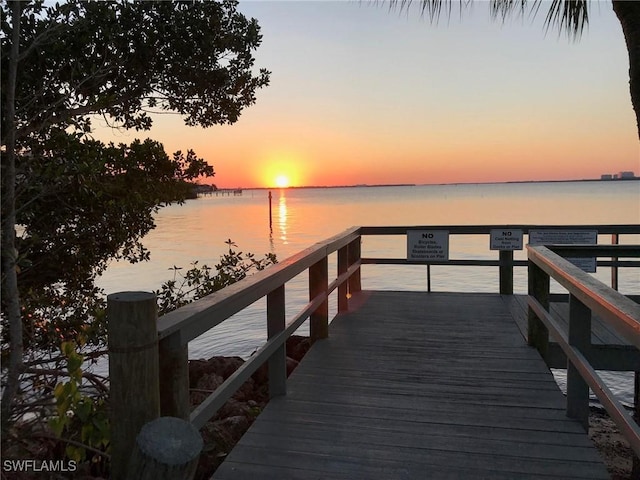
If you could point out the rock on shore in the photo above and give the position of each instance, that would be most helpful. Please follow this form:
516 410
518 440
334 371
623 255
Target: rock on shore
236 416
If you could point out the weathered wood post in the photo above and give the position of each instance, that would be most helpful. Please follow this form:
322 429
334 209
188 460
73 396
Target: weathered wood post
580 338
174 383
319 285
538 334
133 371
275 325
343 290
615 240
506 272
355 249
167 448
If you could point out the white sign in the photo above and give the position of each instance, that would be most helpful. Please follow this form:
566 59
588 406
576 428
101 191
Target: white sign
427 245
505 239
568 237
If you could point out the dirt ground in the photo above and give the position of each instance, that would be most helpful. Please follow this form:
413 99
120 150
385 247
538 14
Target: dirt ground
612 446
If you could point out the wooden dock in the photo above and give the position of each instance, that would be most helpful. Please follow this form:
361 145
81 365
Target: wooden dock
400 385
416 385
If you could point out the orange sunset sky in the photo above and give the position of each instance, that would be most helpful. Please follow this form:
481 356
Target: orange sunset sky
363 95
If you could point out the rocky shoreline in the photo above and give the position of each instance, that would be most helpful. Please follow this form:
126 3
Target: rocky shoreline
237 415
612 446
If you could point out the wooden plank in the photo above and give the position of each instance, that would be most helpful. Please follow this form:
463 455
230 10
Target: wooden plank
332 462
416 385
490 419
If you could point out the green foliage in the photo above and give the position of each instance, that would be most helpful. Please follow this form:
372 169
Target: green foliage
125 59
81 205
80 418
200 281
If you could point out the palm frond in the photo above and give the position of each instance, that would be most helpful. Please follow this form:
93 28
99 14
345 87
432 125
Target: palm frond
570 16
431 8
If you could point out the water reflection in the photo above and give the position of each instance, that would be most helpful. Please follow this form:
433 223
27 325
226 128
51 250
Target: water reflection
282 217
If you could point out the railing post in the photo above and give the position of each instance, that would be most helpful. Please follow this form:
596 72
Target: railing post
506 272
318 285
133 371
538 334
615 240
174 383
355 250
275 325
580 338
343 266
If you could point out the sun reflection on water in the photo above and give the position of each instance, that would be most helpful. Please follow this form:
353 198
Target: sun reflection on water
282 217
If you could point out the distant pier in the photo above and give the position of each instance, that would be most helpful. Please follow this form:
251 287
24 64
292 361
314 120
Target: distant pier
208 190
236 192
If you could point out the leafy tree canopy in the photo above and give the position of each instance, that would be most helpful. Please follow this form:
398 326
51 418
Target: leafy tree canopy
82 204
126 59
79 203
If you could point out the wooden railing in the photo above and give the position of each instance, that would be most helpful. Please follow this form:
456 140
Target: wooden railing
587 296
505 261
148 357
136 358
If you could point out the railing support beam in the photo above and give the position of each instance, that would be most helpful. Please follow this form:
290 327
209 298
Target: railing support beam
506 272
615 240
278 360
319 285
580 338
174 380
355 253
343 290
538 334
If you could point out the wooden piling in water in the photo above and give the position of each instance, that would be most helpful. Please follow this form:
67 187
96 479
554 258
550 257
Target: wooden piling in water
270 212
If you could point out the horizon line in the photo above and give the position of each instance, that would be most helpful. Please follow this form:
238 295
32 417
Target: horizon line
367 185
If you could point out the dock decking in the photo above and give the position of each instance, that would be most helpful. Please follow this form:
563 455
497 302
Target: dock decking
415 385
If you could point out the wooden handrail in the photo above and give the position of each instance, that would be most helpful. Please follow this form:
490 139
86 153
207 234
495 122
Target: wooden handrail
621 312
587 295
194 319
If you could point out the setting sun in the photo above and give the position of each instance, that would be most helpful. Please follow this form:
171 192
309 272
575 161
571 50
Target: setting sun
282 181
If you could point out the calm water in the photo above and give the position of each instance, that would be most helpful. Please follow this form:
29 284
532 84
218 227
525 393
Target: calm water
198 229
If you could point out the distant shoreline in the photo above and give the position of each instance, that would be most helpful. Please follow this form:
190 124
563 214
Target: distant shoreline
365 185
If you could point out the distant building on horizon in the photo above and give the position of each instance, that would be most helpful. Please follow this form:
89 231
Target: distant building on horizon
618 176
